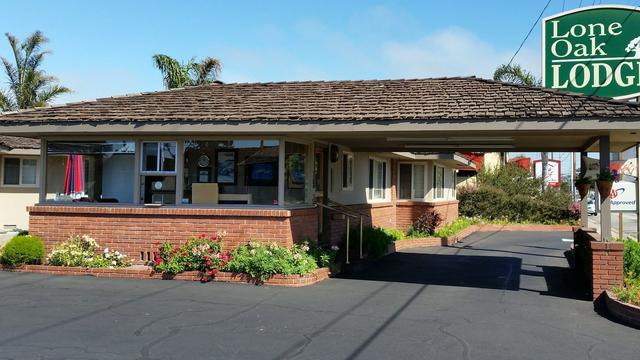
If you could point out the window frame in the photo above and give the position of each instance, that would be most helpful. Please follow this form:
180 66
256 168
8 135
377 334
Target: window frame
371 177
434 184
345 166
159 158
413 189
20 184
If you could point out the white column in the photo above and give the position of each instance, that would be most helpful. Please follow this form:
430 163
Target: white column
605 201
136 172
281 170
179 171
584 204
42 194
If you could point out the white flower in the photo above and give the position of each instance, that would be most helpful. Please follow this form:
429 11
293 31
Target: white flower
114 263
252 252
269 252
335 248
297 256
106 250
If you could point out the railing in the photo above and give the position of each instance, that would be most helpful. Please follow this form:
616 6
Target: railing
347 215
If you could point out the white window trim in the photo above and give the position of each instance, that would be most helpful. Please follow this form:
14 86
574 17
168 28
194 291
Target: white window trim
349 155
386 197
158 161
20 184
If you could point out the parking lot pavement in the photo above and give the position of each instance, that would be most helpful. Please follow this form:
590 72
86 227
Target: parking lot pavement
495 296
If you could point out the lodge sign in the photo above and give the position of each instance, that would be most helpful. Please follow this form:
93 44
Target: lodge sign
593 50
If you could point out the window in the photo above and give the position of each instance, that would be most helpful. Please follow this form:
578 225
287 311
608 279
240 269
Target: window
347 171
377 179
411 182
438 182
159 157
100 171
19 172
231 172
295 156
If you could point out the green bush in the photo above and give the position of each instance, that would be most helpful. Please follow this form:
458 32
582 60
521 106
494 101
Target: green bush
630 292
427 222
261 261
455 227
632 258
375 240
21 250
323 257
81 251
511 194
202 253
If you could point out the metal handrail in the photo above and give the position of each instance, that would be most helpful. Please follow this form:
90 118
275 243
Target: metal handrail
348 215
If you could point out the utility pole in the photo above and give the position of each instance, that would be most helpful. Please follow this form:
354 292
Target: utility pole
545 161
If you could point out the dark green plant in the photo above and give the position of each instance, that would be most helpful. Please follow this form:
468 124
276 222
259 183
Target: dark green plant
514 73
323 257
632 258
584 180
21 250
176 74
262 261
375 241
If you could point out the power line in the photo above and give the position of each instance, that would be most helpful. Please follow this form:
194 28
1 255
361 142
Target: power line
530 31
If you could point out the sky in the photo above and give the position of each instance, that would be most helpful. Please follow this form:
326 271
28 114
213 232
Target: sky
104 48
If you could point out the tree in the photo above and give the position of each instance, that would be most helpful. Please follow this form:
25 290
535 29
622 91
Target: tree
515 74
29 86
176 74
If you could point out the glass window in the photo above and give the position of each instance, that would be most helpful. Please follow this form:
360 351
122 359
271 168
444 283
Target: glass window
418 181
159 156
231 172
347 171
29 171
377 179
404 188
11 171
295 173
100 171
438 182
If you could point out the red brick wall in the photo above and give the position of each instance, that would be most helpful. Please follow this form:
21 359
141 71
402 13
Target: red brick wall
599 263
137 230
304 224
408 211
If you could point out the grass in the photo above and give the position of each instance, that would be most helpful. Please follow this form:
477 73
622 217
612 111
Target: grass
630 292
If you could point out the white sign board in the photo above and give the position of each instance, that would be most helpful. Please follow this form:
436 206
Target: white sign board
553 172
623 196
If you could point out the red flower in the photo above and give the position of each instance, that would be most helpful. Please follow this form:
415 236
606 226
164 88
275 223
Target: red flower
186 243
212 272
184 253
203 235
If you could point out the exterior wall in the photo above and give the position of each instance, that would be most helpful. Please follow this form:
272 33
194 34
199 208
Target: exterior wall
135 231
15 199
599 264
407 212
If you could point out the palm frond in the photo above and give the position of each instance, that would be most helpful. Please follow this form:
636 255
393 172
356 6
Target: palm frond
515 74
48 94
208 70
6 103
174 74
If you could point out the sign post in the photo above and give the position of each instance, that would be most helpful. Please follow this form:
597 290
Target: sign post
593 50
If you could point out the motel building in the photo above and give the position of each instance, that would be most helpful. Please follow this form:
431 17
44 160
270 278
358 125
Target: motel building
294 161
289 161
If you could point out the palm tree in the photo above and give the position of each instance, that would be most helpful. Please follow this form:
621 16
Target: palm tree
515 74
176 74
28 85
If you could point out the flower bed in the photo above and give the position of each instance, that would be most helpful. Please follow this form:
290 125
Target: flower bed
145 272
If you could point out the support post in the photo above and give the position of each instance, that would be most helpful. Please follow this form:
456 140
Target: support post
361 237
42 190
605 201
638 191
584 211
347 218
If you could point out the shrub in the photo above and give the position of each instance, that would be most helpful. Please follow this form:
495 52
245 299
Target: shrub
630 293
202 253
632 258
324 257
375 240
455 227
262 261
427 223
21 250
81 250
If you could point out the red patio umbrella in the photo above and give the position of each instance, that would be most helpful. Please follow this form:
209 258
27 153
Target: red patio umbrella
74 175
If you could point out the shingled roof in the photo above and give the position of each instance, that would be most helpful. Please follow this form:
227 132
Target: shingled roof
12 142
418 99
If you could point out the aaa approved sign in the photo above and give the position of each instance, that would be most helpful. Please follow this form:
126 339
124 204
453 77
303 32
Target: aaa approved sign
623 196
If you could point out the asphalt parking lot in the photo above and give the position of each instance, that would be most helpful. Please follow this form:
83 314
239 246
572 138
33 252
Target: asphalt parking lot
500 295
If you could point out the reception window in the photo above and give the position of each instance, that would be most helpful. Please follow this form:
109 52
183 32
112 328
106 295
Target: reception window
101 171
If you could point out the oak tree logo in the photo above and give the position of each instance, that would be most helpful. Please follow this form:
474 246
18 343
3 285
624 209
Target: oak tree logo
634 46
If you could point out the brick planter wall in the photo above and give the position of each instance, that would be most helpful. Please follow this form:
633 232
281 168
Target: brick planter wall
626 313
408 211
599 264
135 231
146 273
